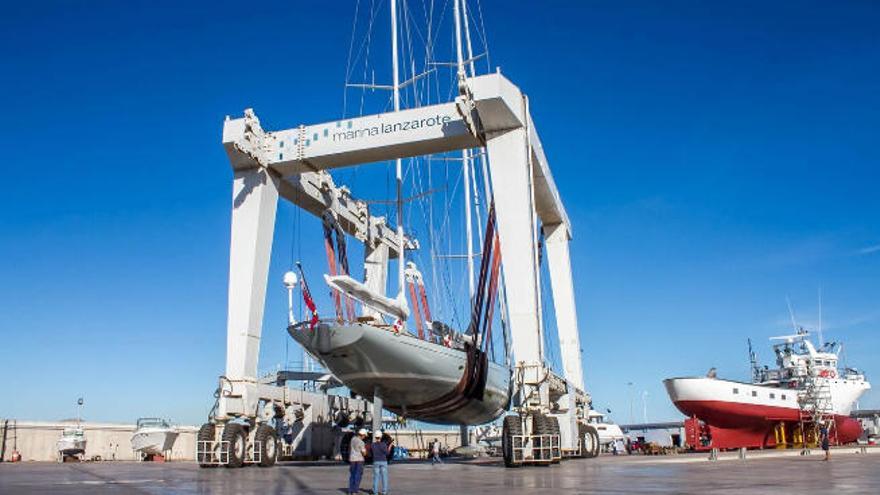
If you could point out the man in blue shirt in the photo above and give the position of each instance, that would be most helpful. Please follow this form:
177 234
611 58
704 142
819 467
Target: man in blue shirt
824 438
380 451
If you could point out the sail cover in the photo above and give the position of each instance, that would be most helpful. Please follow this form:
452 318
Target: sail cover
397 308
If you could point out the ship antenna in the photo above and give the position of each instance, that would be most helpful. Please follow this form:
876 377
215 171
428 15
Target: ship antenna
753 359
821 337
791 314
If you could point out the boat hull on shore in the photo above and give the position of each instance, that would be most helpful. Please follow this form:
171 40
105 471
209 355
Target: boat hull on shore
749 415
153 441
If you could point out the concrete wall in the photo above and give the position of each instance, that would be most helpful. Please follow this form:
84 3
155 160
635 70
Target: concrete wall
35 440
420 439
660 436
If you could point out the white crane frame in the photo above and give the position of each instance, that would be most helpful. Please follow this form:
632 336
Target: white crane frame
492 113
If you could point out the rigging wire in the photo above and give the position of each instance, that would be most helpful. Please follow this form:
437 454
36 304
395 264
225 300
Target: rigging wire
357 7
420 26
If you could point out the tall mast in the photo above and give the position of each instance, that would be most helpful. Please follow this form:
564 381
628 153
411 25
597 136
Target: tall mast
821 337
465 159
399 165
467 37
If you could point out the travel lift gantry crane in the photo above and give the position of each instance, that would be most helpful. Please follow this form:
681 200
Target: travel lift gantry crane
491 113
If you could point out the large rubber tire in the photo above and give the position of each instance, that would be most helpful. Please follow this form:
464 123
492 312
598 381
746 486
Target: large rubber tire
582 431
589 439
206 434
510 427
552 426
234 433
268 438
546 425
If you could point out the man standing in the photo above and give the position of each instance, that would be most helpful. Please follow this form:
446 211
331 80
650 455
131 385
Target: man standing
380 452
435 452
826 442
356 461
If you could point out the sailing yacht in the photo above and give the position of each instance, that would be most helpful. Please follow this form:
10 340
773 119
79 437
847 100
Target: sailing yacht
417 378
435 374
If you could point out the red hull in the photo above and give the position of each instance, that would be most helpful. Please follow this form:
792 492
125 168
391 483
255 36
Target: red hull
731 425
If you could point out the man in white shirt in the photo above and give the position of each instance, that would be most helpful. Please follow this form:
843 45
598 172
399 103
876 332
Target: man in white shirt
435 452
356 453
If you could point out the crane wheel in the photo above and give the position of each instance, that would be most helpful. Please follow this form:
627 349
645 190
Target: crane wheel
268 441
206 434
510 428
589 441
234 434
553 427
597 446
546 425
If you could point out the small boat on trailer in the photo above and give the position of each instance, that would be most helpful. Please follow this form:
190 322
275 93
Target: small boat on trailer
72 443
153 437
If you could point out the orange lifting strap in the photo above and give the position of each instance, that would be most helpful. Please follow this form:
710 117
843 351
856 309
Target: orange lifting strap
421 311
331 230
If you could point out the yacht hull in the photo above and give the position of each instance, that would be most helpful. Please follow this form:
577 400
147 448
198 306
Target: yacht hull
71 446
153 441
416 378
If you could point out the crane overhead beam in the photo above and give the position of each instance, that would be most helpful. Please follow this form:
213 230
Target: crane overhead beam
316 193
493 108
246 141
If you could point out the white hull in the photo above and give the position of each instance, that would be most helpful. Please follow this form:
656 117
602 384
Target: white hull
609 433
71 446
414 376
844 393
153 441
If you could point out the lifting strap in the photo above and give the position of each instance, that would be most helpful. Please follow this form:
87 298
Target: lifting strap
483 310
472 384
416 312
334 253
416 286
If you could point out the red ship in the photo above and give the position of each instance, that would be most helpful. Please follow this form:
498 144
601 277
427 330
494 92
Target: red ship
781 407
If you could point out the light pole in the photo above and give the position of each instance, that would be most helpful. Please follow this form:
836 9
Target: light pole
630 389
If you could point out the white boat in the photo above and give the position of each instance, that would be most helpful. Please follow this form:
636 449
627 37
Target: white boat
608 432
153 436
418 378
806 387
72 442
393 350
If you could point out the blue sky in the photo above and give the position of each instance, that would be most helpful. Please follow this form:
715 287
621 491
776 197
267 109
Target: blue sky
714 160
